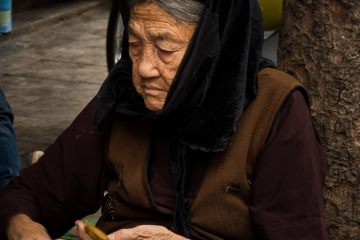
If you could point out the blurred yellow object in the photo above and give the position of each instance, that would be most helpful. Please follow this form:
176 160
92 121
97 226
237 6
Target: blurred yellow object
272 11
94 232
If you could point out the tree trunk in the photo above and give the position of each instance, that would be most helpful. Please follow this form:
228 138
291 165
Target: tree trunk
320 46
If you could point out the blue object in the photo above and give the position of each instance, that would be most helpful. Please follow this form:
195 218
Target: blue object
5 16
9 154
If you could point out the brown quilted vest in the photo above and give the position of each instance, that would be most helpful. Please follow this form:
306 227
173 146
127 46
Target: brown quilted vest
217 212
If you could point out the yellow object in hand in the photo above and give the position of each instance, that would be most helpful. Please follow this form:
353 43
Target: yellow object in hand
94 232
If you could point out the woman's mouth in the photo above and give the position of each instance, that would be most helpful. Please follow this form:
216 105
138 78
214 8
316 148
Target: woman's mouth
151 90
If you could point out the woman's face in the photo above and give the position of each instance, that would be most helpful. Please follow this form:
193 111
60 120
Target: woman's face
157 45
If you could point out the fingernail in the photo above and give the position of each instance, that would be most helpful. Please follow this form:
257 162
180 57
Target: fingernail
75 232
111 236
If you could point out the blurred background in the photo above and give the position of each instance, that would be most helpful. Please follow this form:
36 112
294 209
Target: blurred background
51 65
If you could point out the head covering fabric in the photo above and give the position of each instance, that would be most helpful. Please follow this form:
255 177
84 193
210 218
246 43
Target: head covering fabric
216 80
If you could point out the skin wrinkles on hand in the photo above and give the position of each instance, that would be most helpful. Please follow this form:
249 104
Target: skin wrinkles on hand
150 232
21 227
157 44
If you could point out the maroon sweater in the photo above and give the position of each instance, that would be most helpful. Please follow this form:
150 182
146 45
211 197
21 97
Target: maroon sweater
286 203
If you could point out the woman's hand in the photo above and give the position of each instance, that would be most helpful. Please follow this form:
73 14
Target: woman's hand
141 232
145 232
21 227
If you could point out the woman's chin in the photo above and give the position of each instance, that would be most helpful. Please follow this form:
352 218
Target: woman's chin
154 106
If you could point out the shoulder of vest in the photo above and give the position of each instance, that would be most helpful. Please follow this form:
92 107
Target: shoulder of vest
256 122
276 86
275 82
272 76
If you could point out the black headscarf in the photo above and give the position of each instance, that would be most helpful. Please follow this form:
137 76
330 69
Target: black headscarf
216 80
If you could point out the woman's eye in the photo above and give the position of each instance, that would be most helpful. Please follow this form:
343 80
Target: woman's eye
163 51
166 55
135 48
135 44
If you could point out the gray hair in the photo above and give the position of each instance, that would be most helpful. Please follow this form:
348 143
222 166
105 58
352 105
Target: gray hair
185 11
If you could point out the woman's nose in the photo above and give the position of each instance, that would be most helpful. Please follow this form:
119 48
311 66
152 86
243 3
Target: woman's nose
147 65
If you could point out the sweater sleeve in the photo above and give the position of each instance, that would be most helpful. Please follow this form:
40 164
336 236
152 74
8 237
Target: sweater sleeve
287 200
66 184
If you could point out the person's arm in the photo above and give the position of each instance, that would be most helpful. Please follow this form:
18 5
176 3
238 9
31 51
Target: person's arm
9 153
66 184
287 201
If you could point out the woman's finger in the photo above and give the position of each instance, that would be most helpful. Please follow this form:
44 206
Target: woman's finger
75 232
81 231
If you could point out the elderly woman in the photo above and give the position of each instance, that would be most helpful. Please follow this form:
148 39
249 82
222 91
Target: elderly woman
194 136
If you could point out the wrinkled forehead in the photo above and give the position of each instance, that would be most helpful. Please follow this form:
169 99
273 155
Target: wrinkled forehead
151 13
150 19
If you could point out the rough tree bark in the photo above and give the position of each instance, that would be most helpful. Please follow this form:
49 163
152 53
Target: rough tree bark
320 45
